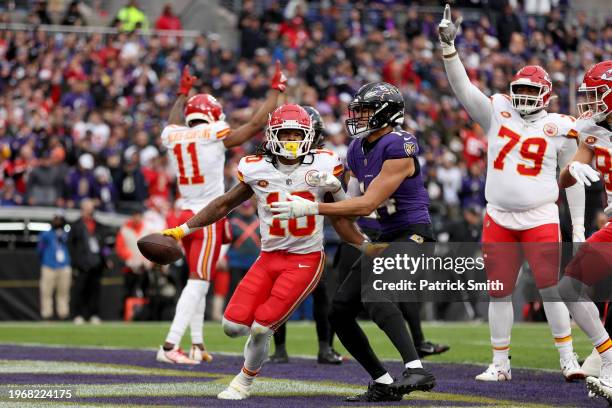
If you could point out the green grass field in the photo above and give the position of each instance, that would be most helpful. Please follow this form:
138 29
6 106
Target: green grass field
532 345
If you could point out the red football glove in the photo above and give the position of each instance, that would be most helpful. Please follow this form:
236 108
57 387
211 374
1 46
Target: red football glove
279 80
186 83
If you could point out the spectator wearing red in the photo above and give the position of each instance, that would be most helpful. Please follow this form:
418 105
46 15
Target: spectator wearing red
168 20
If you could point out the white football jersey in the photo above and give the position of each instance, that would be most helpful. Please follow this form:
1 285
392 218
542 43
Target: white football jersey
198 157
300 235
523 157
599 140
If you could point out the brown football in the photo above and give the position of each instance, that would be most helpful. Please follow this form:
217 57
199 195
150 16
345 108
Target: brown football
160 249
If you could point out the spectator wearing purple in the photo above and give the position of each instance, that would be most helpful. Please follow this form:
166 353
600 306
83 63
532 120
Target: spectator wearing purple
80 182
473 187
105 192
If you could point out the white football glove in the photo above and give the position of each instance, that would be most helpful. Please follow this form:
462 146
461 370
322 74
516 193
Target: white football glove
578 233
295 207
447 31
326 181
583 173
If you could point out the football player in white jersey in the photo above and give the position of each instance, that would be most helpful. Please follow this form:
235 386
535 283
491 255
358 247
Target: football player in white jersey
526 144
292 258
196 138
587 267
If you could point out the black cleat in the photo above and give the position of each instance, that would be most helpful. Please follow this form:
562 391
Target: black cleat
279 357
414 379
427 348
329 356
376 392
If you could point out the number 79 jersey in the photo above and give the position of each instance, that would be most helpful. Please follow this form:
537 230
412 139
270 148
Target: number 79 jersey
299 235
523 157
197 155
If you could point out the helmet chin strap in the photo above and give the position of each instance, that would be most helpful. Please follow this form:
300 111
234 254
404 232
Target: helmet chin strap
533 115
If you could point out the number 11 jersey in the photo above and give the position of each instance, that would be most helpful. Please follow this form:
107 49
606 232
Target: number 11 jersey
197 155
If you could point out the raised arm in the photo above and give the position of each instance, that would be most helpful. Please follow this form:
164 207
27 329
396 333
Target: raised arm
176 113
258 121
214 211
477 104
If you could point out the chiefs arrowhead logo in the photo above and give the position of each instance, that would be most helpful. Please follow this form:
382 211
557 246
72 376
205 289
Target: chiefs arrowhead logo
590 140
263 183
505 114
550 129
607 76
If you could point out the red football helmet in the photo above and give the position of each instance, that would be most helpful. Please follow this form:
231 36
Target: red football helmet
596 88
290 116
203 107
535 76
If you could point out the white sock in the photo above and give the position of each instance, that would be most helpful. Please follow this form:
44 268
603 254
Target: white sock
586 316
256 347
197 320
185 308
558 318
414 364
501 318
384 379
245 377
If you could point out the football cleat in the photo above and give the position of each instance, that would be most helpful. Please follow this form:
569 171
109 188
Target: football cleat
329 357
376 392
571 369
199 355
174 356
598 389
414 379
236 390
279 357
496 372
427 348
592 364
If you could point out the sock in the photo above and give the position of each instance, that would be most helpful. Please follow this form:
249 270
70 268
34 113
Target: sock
501 317
559 322
414 364
185 308
256 347
604 349
280 336
390 320
246 377
197 320
384 379
412 314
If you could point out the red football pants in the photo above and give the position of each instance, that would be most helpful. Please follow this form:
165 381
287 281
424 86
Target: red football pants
593 261
505 251
202 247
274 287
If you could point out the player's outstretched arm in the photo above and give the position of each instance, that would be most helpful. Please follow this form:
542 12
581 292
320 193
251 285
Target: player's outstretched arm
214 211
579 171
475 102
185 85
259 120
392 174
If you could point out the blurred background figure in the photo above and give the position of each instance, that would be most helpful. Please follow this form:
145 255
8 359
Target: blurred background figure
86 243
55 271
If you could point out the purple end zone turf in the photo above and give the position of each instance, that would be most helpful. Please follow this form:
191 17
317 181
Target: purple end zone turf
527 386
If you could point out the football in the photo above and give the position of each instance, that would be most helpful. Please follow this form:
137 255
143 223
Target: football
160 249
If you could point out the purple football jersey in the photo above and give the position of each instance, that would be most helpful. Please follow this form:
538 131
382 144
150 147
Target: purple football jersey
409 204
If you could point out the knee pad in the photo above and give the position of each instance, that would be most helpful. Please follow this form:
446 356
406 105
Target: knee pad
380 312
232 329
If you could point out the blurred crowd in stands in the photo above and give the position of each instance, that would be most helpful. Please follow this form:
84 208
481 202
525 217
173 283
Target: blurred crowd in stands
81 115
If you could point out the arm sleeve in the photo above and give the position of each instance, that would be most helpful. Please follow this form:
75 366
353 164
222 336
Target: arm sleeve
475 102
575 194
220 130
